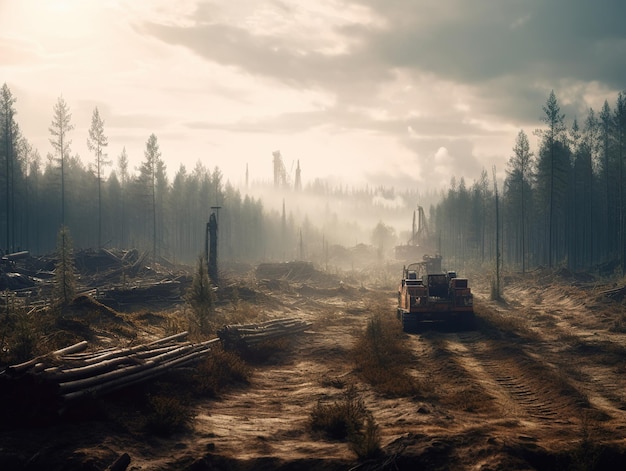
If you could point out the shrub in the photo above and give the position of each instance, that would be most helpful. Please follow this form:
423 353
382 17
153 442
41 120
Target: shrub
348 419
366 443
201 298
64 273
381 356
21 334
220 369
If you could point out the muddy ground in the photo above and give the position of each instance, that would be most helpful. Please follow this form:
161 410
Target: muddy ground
539 384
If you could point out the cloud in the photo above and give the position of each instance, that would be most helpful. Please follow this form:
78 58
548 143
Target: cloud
399 92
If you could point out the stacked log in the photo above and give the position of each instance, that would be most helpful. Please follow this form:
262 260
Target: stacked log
245 337
38 389
147 293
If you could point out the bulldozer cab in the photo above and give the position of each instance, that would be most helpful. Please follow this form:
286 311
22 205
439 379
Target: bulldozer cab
437 285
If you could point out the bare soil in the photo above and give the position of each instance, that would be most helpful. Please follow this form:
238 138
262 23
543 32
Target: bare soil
539 384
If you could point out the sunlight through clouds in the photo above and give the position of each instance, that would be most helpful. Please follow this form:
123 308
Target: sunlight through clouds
376 92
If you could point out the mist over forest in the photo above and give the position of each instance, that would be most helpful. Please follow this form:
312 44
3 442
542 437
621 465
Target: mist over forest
561 204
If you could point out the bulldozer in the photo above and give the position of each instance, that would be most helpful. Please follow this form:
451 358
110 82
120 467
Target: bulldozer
429 298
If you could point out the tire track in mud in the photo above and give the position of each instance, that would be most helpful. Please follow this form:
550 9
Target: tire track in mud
522 386
575 325
539 391
597 368
446 379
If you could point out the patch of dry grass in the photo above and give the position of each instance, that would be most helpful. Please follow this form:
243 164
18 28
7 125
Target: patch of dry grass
222 368
504 324
168 414
381 356
348 419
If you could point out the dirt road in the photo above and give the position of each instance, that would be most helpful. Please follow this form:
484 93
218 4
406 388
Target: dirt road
539 384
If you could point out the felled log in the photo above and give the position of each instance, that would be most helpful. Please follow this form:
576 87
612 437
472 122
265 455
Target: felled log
165 290
121 463
615 293
133 364
30 363
16 255
247 336
70 373
134 375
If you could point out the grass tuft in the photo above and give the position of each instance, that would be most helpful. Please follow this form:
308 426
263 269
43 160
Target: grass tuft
348 419
168 414
222 368
381 355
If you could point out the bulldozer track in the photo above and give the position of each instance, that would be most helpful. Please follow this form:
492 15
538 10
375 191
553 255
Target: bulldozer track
509 380
578 341
598 376
539 390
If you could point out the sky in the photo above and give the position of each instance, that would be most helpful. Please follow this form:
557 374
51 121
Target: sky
403 93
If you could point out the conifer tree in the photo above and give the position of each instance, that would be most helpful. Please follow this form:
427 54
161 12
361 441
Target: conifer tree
552 167
200 296
65 275
61 126
96 143
150 170
9 136
517 184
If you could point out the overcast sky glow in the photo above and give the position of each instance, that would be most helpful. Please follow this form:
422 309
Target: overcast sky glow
392 92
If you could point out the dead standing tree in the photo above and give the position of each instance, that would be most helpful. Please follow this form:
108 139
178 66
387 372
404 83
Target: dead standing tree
211 248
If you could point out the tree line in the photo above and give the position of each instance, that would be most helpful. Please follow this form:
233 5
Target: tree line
105 204
563 206
124 209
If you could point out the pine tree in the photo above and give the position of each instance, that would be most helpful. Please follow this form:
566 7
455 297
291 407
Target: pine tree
9 137
517 184
64 274
149 174
61 126
606 126
201 297
552 167
620 144
495 288
122 164
96 143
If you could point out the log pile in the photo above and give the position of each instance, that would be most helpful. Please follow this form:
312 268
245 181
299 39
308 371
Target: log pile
156 293
36 390
246 337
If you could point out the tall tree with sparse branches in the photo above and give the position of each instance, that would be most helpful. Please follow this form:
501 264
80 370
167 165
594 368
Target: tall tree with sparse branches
496 292
150 170
518 181
605 124
122 164
551 164
9 136
60 128
620 144
96 143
